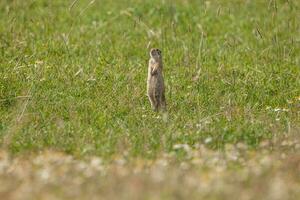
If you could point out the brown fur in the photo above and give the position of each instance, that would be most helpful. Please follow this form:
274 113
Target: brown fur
155 81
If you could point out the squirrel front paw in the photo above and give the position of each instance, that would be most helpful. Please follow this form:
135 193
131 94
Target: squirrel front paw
154 72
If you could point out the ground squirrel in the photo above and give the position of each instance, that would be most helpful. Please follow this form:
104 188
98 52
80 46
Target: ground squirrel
155 81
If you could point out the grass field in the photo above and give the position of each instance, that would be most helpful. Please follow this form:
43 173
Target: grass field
73 92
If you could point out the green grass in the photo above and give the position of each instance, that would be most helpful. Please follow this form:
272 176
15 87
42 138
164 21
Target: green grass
74 80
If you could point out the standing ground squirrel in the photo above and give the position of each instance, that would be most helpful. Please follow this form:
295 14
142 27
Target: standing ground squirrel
155 81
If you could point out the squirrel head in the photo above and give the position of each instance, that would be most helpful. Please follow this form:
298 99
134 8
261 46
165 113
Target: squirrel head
155 54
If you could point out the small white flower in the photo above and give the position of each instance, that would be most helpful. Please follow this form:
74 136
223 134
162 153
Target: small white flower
207 140
277 109
186 147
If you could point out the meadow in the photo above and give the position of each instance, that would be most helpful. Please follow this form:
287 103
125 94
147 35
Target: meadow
73 92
